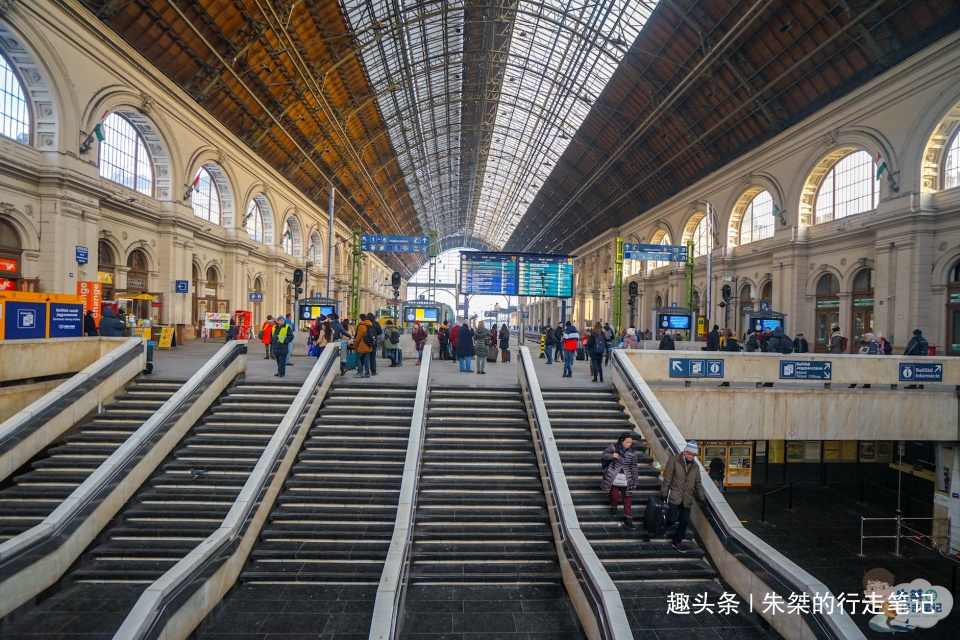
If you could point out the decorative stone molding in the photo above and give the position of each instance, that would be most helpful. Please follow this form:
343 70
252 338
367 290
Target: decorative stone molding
40 97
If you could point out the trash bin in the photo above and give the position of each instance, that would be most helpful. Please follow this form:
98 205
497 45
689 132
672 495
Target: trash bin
149 368
932 350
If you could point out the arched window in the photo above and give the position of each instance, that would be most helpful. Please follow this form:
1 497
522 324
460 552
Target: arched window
862 304
849 188
828 310
123 155
10 256
953 311
663 241
766 292
951 164
698 234
206 197
253 221
286 240
658 302
14 114
315 250
757 222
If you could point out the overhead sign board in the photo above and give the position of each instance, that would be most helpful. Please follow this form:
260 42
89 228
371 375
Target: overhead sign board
696 368
83 255
510 274
806 370
921 372
395 244
658 252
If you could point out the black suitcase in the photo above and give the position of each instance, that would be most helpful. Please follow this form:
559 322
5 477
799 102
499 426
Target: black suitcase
655 516
581 353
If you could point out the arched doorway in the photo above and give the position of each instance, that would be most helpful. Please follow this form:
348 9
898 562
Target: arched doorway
11 258
136 301
953 311
258 304
745 304
828 309
862 305
106 269
766 294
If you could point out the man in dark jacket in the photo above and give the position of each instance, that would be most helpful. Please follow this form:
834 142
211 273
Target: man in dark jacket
765 339
443 339
549 342
337 327
681 486
800 344
280 340
465 347
110 326
918 345
558 334
89 325
376 331
713 339
667 343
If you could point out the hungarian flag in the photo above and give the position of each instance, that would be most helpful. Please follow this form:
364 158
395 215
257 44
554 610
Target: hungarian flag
98 130
196 182
881 165
287 233
776 210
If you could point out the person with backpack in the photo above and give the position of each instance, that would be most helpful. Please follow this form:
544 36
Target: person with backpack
620 475
465 347
667 342
419 335
780 342
597 348
443 339
753 342
608 337
391 337
571 341
549 342
376 331
363 343
266 330
918 345
838 342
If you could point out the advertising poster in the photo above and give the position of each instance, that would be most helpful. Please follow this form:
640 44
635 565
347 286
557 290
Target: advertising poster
92 293
25 320
216 321
66 320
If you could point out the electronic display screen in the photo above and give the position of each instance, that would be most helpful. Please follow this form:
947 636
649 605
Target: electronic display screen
510 274
311 313
673 322
762 324
421 314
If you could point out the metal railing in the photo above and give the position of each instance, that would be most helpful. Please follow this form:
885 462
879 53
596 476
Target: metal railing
770 567
605 597
763 500
161 600
914 535
388 606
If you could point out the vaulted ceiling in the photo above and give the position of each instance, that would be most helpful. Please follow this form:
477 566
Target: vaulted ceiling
517 124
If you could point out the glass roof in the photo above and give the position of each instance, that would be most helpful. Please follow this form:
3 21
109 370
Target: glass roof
558 57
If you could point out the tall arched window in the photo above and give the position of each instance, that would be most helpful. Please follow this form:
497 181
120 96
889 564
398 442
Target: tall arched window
253 222
14 114
699 237
757 221
206 197
827 310
286 240
663 241
123 155
849 188
951 164
315 250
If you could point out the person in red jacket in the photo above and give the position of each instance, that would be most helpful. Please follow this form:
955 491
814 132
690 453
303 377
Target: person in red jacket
453 340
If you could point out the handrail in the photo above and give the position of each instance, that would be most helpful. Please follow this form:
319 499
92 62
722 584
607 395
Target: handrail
37 414
768 565
611 616
24 549
387 607
162 598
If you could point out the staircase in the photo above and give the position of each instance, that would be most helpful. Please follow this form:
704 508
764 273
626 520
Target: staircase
183 503
321 553
645 570
33 495
483 558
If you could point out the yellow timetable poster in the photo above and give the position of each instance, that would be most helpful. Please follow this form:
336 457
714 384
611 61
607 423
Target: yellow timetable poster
166 338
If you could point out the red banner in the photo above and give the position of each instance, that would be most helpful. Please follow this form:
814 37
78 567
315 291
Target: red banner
92 293
7 285
8 265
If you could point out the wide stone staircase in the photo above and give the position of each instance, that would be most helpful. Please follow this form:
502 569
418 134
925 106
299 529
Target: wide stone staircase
483 559
321 553
646 570
32 495
181 504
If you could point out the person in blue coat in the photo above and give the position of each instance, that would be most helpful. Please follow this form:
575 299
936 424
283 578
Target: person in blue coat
465 347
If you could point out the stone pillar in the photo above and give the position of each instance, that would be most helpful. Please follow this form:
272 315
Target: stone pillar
913 303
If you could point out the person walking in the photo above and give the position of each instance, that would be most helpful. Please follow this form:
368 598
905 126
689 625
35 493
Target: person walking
391 337
363 343
717 472
608 338
620 476
443 339
289 323
90 325
918 345
280 338
666 342
481 347
800 344
884 345
681 486
465 347
571 341
377 332
266 331
419 336
454 342
549 342
837 343
504 341
597 348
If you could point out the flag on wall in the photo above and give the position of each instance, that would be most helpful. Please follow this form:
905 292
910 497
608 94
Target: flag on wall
287 233
881 165
98 129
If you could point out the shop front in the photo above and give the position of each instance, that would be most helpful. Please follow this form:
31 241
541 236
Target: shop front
11 261
737 459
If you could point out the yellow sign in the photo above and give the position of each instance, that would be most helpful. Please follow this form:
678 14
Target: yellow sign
143 332
104 277
701 326
166 338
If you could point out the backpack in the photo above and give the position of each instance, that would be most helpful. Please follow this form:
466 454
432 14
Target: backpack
922 348
599 344
605 463
843 343
786 345
368 338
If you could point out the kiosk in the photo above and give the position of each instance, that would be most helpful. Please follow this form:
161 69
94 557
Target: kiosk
675 320
309 309
757 321
426 312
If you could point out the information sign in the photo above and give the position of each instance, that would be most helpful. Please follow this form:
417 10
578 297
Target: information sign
25 320
657 252
696 368
166 338
255 297
66 320
83 255
182 286
510 274
395 244
921 372
805 370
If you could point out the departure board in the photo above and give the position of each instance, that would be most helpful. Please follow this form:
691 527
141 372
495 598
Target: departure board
511 274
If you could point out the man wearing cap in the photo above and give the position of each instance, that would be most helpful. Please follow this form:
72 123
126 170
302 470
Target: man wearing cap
681 485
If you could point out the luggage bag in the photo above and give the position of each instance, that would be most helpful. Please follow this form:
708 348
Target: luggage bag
655 516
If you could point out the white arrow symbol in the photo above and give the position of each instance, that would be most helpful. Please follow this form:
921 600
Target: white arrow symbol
826 366
677 366
938 368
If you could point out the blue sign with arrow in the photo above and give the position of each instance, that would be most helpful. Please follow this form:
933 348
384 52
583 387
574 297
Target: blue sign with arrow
806 370
696 368
921 372
659 252
182 286
395 244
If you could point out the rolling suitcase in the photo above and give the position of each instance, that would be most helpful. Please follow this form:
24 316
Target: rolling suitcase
581 353
655 516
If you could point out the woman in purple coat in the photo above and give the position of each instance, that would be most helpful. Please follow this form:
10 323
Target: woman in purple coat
620 475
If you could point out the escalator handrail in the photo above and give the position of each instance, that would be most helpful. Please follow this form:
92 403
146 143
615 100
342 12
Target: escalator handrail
770 566
36 415
612 618
161 598
26 548
387 607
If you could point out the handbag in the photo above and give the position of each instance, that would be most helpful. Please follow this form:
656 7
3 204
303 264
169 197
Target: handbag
620 480
260 335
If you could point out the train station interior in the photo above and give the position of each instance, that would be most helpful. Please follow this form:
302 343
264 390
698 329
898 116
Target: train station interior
336 319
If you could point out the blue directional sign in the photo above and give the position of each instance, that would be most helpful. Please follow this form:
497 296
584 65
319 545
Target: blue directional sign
183 286
696 368
255 297
83 255
395 244
921 372
805 370
658 252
